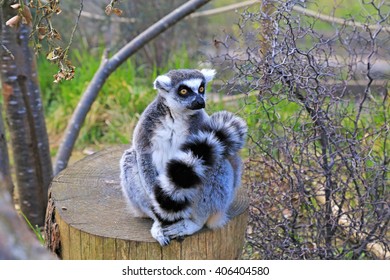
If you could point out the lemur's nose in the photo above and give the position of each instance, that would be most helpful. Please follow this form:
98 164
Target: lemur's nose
198 103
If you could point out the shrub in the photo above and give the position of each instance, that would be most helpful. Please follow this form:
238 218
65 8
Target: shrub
319 139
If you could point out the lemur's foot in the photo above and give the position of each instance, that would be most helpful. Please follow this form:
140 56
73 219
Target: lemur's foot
158 234
181 229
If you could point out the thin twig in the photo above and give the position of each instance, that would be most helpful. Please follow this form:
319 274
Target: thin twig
8 51
74 28
224 9
106 18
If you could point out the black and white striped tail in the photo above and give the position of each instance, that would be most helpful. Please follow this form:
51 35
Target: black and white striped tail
230 130
184 175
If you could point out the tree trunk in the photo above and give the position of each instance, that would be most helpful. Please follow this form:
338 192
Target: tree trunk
25 119
5 175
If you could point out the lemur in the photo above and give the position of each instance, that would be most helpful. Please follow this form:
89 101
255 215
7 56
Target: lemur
183 167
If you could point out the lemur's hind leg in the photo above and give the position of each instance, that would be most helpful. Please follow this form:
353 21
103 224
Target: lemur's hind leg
131 184
217 220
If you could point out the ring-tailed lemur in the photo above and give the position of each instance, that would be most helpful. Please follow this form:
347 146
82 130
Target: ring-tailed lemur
183 167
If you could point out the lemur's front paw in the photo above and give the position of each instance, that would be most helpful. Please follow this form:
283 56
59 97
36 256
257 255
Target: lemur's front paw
158 234
164 241
180 229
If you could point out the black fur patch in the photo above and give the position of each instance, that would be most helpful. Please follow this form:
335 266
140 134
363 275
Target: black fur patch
167 203
182 175
163 221
201 150
222 136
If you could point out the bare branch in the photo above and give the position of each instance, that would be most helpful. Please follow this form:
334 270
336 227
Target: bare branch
224 9
105 18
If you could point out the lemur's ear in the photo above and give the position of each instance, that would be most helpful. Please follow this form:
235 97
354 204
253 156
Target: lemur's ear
208 74
163 82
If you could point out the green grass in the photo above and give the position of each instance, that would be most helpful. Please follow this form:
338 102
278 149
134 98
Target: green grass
36 230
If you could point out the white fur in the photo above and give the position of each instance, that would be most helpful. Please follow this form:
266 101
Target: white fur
164 80
158 234
193 84
208 74
167 140
182 228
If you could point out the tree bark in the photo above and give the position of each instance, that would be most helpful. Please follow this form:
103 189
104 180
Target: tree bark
25 119
106 68
5 174
16 240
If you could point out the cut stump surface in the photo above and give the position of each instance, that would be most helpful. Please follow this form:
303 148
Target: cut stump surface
94 222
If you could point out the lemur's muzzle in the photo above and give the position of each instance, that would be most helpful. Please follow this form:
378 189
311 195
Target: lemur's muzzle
197 104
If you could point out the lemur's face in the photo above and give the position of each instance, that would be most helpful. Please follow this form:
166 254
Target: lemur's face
184 89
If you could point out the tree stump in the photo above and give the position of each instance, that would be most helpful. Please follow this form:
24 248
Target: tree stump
88 219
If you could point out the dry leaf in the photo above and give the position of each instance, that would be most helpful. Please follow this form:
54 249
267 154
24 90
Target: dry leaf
54 34
27 15
15 6
111 10
51 56
117 11
287 214
108 10
14 21
58 11
42 30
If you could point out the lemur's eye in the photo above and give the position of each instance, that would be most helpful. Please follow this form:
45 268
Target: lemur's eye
201 89
183 91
